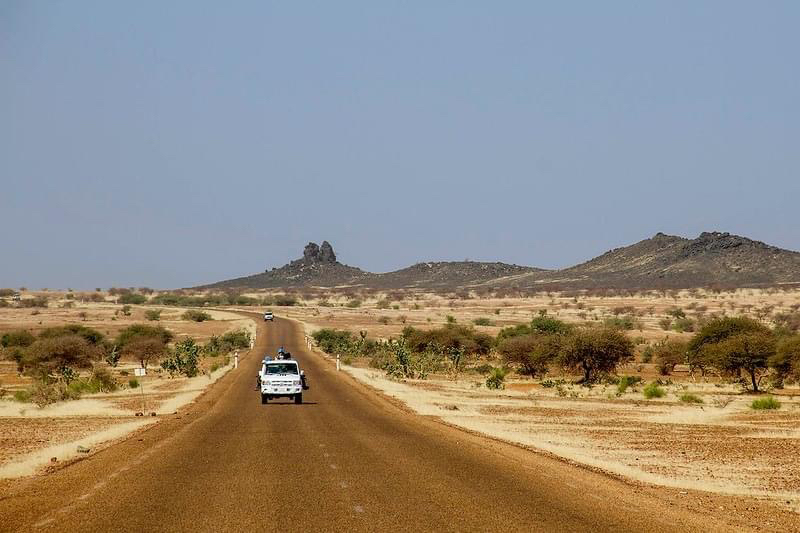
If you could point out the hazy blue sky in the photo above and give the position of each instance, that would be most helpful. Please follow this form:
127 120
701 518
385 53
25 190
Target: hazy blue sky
173 143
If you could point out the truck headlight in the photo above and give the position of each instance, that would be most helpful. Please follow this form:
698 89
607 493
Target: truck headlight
297 382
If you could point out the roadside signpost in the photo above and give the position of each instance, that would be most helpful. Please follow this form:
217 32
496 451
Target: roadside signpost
140 373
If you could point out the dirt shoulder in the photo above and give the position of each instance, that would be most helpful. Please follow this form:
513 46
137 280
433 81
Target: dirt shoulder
33 439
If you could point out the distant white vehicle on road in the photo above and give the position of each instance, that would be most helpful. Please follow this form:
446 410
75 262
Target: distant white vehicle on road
268 316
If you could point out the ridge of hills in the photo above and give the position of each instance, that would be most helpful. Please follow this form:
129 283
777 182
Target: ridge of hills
662 261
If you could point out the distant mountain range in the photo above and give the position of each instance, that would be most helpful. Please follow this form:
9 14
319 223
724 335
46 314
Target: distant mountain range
662 261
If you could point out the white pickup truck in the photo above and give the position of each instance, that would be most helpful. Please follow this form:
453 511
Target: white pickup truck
268 316
282 378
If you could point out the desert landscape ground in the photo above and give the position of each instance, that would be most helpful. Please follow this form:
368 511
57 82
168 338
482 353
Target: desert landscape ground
699 442
719 444
37 437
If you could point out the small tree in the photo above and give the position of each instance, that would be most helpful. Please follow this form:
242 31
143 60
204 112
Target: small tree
58 357
715 331
153 314
669 353
183 359
145 350
786 361
595 351
749 352
532 354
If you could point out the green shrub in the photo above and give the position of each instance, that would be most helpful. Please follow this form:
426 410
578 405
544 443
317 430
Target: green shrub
23 396
332 340
627 381
384 320
382 304
483 321
196 316
43 394
153 314
132 298
683 324
653 390
647 354
224 344
183 359
126 310
285 301
143 331
690 398
448 338
621 322
91 335
450 319
20 337
133 383
39 301
353 303
496 379
765 403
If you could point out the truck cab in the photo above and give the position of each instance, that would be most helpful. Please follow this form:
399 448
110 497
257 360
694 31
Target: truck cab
281 378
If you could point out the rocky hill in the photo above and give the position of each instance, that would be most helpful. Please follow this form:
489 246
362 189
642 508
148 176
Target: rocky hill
662 261
448 274
318 268
668 261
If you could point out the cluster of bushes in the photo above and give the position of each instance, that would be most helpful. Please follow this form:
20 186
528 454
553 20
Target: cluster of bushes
56 356
219 299
224 344
732 347
725 346
592 352
37 302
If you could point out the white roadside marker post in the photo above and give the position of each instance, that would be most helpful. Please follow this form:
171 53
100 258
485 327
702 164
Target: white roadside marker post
236 359
337 361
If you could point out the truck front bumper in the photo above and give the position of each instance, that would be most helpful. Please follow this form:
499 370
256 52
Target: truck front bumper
281 390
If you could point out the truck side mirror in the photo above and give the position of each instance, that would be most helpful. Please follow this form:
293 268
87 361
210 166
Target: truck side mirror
302 372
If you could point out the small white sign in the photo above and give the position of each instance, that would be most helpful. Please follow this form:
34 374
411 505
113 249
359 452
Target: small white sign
139 372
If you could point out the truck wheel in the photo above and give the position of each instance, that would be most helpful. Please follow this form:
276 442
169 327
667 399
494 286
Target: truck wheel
264 399
298 398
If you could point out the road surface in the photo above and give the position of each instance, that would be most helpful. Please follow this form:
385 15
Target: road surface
345 460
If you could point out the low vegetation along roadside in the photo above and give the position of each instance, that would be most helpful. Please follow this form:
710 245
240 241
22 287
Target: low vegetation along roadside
739 349
67 361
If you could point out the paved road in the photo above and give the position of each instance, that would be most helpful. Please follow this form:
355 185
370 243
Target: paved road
345 460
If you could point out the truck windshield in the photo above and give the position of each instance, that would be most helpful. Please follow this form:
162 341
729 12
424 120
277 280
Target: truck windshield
282 368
